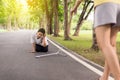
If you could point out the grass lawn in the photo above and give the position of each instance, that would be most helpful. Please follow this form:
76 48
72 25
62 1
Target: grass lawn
82 45
2 30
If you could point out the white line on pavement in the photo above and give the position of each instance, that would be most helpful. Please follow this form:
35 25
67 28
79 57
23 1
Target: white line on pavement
80 61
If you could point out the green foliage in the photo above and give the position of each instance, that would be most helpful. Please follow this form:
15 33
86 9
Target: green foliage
14 11
34 12
61 11
2 13
38 10
36 7
87 25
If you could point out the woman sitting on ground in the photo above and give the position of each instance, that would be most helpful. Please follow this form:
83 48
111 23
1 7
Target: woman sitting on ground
39 41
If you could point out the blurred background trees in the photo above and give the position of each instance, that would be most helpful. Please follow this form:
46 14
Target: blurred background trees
53 15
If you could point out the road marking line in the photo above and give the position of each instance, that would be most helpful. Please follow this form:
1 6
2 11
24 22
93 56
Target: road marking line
80 61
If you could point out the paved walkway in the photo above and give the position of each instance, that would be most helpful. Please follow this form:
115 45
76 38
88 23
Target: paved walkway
16 63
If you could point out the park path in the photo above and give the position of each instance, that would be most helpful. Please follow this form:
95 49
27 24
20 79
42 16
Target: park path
16 63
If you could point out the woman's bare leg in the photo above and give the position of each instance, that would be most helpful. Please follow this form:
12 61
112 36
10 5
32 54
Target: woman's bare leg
113 37
106 72
103 34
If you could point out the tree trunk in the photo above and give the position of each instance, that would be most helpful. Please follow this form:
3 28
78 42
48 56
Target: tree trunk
56 20
77 30
94 44
70 18
15 24
69 24
51 20
47 17
9 23
89 10
51 17
48 26
40 22
66 34
82 17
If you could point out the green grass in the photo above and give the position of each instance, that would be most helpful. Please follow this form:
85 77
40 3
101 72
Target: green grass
2 30
82 45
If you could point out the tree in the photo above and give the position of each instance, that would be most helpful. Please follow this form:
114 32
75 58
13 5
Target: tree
47 16
51 17
83 16
94 43
66 28
56 19
52 9
16 14
70 16
8 8
10 13
2 15
37 11
43 10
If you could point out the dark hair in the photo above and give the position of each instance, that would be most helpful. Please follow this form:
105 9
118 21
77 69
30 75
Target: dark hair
42 30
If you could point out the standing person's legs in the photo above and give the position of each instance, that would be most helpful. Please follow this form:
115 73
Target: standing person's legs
106 72
103 34
113 37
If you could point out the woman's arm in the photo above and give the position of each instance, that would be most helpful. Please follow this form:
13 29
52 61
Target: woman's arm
44 43
32 41
74 9
33 48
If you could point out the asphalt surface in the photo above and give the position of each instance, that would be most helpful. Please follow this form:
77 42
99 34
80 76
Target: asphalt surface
16 63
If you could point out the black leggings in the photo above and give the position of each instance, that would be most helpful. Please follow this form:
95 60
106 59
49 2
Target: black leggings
40 48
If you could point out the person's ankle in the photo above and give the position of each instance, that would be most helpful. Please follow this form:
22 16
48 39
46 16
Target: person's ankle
118 77
103 78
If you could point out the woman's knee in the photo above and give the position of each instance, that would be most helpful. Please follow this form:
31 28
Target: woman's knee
113 44
103 45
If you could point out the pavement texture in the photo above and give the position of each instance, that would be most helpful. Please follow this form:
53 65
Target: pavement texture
16 63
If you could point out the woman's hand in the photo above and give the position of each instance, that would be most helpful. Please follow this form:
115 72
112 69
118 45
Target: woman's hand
43 40
33 51
33 48
74 9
